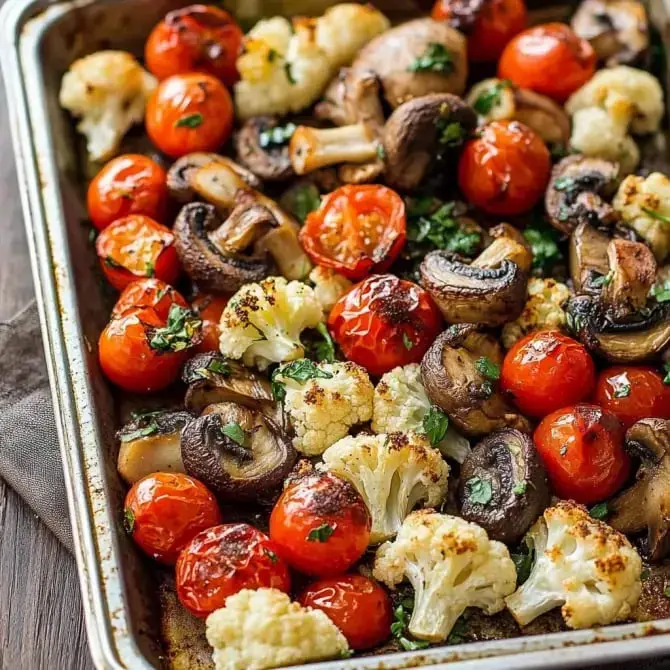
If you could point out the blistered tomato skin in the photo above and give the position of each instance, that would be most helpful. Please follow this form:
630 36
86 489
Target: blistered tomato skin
152 293
545 371
505 170
358 606
384 322
209 308
164 511
223 560
320 525
633 393
582 448
549 59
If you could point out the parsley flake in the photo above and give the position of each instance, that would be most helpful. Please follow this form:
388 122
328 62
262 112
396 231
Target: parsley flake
399 628
661 292
406 342
150 269
488 368
289 74
277 136
435 424
436 58
545 249
110 262
479 490
190 121
179 333
656 215
599 511
270 554
666 369
520 488
666 591
321 534
491 97
235 432
451 134
301 200
149 429
128 520
565 184
523 562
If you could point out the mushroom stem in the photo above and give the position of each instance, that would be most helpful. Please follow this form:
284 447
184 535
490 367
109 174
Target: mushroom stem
246 224
501 249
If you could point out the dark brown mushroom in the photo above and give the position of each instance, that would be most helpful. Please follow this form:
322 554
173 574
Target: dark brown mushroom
503 485
646 504
238 452
576 190
589 264
420 135
261 145
458 372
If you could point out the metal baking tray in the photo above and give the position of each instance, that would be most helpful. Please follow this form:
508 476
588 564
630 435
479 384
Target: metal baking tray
39 40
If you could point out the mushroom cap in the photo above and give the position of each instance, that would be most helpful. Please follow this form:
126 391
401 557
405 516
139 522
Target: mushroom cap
269 163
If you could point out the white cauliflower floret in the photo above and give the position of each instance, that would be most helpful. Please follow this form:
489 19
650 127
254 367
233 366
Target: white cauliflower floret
583 566
262 323
392 473
323 401
264 629
451 564
329 286
543 310
286 66
108 91
644 205
401 404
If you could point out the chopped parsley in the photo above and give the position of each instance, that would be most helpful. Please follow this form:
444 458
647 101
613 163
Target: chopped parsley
406 342
644 575
666 369
520 488
300 371
602 280
182 326
488 368
623 391
666 591
301 200
272 55
289 74
565 184
442 230
277 136
235 432
435 424
321 534
458 633
523 562
656 215
450 133
215 366
479 491
128 520
490 98
436 58
190 121
599 511
149 429
270 554
661 292
545 249
110 262
324 349
399 629
150 269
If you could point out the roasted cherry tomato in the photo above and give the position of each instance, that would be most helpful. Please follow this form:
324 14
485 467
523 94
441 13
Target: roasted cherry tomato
164 511
189 112
633 393
320 525
142 353
148 293
545 371
384 322
489 27
505 170
582 449
359 607
209 308
197 38
130 184
357 230
549 59
223 560
136 246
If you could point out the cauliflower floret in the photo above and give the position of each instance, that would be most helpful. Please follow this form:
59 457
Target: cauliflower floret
286 66
108 90
543 310
264 629
323 401
451 564
638 200
582 565
393 473
329 286
262 323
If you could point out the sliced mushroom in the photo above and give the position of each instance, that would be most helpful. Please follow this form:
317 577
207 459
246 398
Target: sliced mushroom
257 149
505 246
588 258
151 443
238 452
420 134
646 504
451 375
507 472
576 190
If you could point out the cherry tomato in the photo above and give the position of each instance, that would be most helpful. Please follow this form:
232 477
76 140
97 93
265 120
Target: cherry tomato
549 59
189 112
164 511
505 170
197 38
209 308
223 560
320 525
582 449
129 184
545 371
359 607
137 246
356 231
488 28
148 293
384 322
633 393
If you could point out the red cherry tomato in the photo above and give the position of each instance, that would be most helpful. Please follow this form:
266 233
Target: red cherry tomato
223 560
209 308
164 511
197 38
545 371
130 184
582 449
189 112
633 393
505 170
356 231
359 607
320 525
488 28
384 322
549 59
148 293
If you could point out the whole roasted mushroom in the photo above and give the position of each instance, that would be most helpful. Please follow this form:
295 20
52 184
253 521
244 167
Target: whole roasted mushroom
646 504
503 485
261 145
459 372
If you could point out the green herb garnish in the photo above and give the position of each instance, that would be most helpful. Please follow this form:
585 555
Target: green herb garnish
301 200
520 488
661 292
488 368
666 369
666 591
277 136
149 429
656 215
544 247
270 554
442 230
235 432
565 184
110 262
406 342
325 348
523 562
479 490
179 333
321 534
289 74
599 511
399 628
451 134
490 98
128 520
149 269
435 424
190 121
436 58
603 280
458 633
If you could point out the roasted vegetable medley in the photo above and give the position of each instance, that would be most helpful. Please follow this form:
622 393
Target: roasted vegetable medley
410 283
